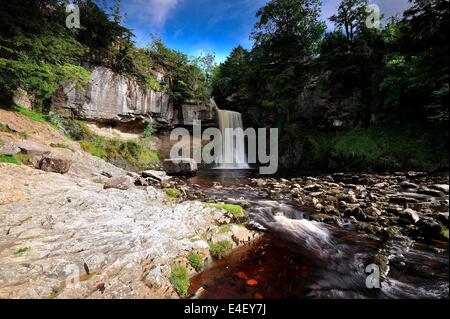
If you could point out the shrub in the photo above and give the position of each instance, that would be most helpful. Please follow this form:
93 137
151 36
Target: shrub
179 278
196 261
218 250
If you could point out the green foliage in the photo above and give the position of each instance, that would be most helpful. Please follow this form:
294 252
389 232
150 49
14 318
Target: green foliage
236 210
179 278
444 232
148 132
196 261
30 114
23 135
380 147
127 154
172 193
9 159
76 130
1 141
153 84
22 250
220 249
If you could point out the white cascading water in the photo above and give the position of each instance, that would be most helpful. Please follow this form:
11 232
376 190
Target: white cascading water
233 148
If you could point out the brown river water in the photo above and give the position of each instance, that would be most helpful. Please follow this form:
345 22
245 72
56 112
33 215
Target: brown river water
298 258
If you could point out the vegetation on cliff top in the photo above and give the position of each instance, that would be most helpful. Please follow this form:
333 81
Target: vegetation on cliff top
38 53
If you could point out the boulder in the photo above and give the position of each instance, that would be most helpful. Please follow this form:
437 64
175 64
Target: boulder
409 216
312 188
430 192
52 164
32 148
157 175
441 187
408 185
120 182
9 148
180 166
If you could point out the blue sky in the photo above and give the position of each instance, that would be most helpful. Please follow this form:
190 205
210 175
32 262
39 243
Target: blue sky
216 26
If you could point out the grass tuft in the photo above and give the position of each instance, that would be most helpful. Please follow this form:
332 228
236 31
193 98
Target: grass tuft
10 159
220 249
196 261
236 210
179 278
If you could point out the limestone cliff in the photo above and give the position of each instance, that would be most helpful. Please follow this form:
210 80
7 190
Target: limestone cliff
113 98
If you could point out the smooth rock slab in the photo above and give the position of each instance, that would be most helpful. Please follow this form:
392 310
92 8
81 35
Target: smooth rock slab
32 148
158 175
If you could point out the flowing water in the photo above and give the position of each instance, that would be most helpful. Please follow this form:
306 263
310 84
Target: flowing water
233 152
297 257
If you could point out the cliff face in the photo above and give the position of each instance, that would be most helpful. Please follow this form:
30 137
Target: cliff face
113 98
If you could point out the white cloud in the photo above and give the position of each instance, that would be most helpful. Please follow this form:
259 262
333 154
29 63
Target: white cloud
152 12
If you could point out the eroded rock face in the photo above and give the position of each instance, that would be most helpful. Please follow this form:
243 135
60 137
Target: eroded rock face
110 97
113 98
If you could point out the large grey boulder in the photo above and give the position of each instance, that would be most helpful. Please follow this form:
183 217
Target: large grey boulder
180 166
9 149
52 164
119 182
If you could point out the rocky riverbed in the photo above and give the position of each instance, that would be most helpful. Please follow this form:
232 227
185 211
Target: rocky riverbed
398 222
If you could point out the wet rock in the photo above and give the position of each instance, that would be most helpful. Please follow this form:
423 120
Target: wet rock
402 200
443 218
29 147
372 211
429 228
312 188
430 192
121 183
180 166
409 216
408 185
441 187
358 213
416 175
9 149
241 234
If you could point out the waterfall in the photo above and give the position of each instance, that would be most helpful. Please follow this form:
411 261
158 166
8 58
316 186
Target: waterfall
233 147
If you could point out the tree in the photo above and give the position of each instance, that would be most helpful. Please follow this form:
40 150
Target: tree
230 77
351 17
290 28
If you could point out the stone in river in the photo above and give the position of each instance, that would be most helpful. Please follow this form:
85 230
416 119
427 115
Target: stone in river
180 166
